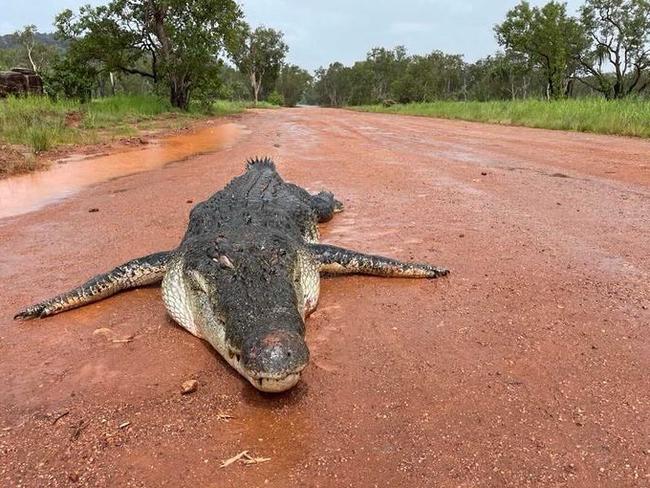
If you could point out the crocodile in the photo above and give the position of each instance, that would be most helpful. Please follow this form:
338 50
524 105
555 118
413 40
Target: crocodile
246 274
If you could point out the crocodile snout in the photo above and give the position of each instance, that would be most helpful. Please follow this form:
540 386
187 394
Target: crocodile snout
274 360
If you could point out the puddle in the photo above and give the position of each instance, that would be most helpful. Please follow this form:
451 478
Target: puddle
26 193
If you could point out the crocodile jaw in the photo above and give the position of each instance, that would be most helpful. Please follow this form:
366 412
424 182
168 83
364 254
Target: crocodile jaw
201 323
275 385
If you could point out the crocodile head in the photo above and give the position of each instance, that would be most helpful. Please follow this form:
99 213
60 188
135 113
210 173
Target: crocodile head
243 300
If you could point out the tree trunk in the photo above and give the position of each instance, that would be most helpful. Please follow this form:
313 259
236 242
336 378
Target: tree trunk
256 86
31 60
568 91
256 89
179 94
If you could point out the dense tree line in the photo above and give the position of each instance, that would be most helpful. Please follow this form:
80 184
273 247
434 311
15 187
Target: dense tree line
204 50
546 53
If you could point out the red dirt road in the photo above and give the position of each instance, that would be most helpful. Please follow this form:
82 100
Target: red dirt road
528 366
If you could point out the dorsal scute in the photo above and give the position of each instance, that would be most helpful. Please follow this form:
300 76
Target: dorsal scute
260 163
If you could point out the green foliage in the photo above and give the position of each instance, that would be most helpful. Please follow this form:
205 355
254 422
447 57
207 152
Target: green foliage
9 58
618 54
333 86
234 84
179 40
228 107
548 38
275 98
391 75
433 77
292 84
503 76
622 117
69 77
259 56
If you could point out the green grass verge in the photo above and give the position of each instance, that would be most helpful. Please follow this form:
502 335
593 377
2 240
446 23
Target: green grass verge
620 117
42 124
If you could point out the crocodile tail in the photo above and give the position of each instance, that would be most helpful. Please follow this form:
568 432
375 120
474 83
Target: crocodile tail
260 163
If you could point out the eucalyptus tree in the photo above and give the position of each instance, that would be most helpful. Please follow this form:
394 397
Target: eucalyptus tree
617 58
548 38
259 55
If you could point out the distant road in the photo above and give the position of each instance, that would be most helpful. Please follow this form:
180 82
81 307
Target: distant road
528 366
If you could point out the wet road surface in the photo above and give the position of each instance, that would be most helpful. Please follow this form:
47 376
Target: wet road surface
528 366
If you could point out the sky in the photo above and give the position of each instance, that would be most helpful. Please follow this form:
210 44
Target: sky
320 32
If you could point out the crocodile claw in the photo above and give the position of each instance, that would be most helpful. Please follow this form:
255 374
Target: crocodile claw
438 272
34 312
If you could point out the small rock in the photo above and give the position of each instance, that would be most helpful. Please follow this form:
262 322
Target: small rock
93 210
190 201
276 145
190 386
483 173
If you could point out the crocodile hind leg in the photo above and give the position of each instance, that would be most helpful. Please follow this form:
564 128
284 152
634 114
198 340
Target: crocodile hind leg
138 272
345 261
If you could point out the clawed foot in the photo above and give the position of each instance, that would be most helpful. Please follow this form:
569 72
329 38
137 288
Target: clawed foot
438 272
37 311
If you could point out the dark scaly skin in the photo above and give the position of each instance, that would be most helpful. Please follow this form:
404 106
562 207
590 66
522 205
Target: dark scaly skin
343 261
245 275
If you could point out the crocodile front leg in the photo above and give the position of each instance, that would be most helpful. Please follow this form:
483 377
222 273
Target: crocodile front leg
345 261
138 272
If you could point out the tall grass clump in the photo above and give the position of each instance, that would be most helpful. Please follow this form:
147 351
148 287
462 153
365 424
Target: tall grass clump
230 107
36 122
41 123
123 109
617 117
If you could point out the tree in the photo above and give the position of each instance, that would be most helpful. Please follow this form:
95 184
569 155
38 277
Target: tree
503 76
180 41
28 42
70 78
436 76
292 84
548 38
259 56
386 66
30 50
333 85
619 35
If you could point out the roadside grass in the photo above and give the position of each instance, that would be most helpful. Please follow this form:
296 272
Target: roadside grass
39 124
619 117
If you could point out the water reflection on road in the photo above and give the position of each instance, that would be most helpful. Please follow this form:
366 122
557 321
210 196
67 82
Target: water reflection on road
26 193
